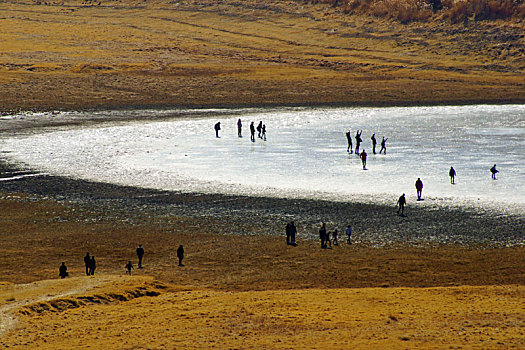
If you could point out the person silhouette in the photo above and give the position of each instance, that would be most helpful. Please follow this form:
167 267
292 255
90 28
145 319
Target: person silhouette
494 171
383 145
293 232
401 202
92 265
252 132
452 174
128 267
239 127
180 254
349 234
263 132
288 233
322 235
363 159
217 127
259 130
349 139
374 143
62 271
358 141
140 254
87 262
419 188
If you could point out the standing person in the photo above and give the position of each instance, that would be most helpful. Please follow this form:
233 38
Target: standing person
401 202
335 234
264 132
128 267
374 143
140 254
452 174
349 234
383 145
494 171
180 254
293 232
259 129
62 270
92 265
87 262
239 128
288 230
363 159
358 141
419 188
217 128
322 235
252 132
349 139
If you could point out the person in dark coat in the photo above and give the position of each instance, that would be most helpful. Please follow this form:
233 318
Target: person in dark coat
288 233
401 202
293 232
349 139
87 262
140 254
217 128
180 254
62 271
128 267
252 132
363 159
374 143
452 174
239 127
383 145
358 141
494 171
92 265
419 188
322 235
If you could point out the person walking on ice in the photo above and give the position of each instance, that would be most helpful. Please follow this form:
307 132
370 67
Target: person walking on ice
494 171
383 145
363 159
140 254
401 202
374 143
452 174
349 139
419 188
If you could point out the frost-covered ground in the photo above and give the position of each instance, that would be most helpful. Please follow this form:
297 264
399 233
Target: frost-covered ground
304 154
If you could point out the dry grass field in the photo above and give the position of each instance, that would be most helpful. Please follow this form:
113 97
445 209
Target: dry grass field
248 291
126 53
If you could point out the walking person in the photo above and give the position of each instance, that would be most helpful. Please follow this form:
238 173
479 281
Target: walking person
494 171
87 262
363 159
252 132
335 234
128 267
322 235
452 174
293 232
239 128
62 271
349 234
419 188
374 143
264 132
288 231
92 265
383 145
217 127
259 129
401 202
349 139
180 254
140 254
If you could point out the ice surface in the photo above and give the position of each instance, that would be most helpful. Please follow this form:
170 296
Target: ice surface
304 154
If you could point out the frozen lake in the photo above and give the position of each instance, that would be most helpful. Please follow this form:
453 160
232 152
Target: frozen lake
304 154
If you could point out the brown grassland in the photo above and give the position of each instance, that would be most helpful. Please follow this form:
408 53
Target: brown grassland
248 291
